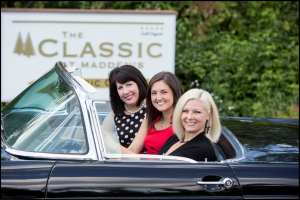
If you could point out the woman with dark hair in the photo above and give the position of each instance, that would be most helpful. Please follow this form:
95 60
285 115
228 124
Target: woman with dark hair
127 90
162 95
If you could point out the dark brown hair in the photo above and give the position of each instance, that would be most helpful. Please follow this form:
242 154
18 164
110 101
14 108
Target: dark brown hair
172 81
122 75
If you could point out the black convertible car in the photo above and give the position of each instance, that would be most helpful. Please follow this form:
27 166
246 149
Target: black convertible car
53 146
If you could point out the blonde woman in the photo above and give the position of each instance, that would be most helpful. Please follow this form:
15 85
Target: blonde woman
196 124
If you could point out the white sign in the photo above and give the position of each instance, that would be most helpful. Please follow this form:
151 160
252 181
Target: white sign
32 42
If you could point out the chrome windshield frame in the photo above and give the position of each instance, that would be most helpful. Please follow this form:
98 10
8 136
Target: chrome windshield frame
82 97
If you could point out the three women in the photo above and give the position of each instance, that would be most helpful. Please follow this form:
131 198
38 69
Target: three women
195 113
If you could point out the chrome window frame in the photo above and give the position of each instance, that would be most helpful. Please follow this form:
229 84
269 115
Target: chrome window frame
98 127
87 122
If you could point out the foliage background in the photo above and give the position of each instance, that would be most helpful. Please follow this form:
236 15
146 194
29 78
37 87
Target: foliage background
246 53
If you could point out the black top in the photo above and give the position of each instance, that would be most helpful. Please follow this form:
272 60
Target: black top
128 126
198 148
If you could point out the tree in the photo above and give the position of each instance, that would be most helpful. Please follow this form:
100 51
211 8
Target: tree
19 45
28 47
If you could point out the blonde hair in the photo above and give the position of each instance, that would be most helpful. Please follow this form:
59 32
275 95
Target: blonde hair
210 106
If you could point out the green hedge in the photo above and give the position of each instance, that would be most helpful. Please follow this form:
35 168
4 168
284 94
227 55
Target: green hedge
246 53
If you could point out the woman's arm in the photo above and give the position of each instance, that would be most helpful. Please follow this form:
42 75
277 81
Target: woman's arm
108 126
109 123
111 144
139 141
137 144
126 151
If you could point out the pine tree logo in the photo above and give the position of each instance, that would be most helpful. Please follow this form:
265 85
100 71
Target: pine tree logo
26 49
19 45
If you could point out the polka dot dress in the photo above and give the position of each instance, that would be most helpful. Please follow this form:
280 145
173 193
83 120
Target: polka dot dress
128 126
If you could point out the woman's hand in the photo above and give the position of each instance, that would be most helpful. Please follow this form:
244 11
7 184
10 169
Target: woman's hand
138 142
111 142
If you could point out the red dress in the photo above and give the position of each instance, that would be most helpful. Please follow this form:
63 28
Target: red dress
155 139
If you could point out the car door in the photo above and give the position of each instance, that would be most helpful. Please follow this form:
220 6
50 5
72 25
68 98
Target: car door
141 178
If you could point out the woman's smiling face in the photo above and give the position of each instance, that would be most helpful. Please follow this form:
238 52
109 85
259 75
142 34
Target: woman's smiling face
194 116
162 96
128 92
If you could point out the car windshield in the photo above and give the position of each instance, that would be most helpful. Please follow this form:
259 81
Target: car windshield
45 117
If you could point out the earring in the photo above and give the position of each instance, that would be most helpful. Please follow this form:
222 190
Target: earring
207 127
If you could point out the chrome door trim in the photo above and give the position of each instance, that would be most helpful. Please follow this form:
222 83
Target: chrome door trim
82 97
166 157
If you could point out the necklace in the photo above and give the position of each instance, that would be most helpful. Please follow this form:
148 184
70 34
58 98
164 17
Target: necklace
182 141
162 123
144 102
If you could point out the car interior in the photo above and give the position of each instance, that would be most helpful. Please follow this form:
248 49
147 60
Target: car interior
223 148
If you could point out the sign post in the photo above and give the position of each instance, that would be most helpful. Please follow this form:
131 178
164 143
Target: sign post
33 40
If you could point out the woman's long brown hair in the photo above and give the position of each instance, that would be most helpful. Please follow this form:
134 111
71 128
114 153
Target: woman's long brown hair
172 81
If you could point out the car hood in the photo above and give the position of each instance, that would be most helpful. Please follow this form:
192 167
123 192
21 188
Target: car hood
266 140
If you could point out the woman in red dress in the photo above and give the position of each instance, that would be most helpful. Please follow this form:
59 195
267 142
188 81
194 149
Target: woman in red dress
162 95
